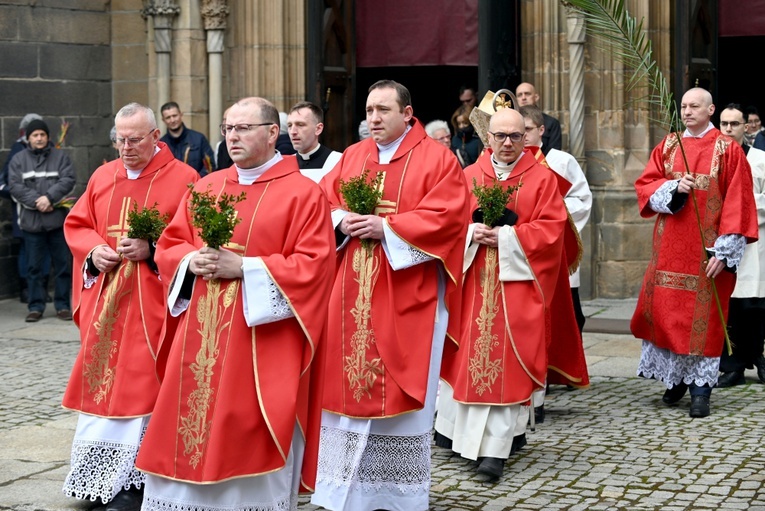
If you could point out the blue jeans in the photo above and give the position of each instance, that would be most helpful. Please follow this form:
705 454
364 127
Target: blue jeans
38 246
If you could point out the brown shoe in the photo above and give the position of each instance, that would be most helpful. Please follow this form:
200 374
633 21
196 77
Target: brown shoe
33 317
64 314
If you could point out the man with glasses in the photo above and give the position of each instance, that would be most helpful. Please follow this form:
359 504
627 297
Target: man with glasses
754 129
236 424
119 307
394 299
677 313
438 130
746 315
512 269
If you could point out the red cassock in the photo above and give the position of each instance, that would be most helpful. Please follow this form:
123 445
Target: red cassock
382 321
232 393
676 309
122 316
505 324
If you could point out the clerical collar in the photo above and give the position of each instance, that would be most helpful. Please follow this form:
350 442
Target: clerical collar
503 170
387 151
249 176
307 156
687 133
134 173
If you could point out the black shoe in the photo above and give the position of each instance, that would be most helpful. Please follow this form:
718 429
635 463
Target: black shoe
731 379
491 467
519 442
126 500
759 363
675 394
539 414
442 441
24 296
699 406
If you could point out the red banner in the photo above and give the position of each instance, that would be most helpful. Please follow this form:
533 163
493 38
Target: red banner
739 18
416 33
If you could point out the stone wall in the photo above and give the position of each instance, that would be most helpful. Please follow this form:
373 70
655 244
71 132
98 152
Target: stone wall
55 60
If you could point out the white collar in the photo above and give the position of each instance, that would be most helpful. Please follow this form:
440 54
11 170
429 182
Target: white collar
249 176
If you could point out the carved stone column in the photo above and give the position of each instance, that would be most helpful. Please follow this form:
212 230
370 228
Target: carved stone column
162 13
214 14
576 37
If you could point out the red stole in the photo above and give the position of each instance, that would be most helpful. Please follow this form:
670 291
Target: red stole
676 309
381 321
233 393
122 316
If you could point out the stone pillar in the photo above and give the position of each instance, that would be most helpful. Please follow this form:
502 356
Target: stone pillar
576 36
162 13
214 14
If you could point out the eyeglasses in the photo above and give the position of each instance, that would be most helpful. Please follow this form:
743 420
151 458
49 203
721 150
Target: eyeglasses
134 141
445 138
755 121
468 100
732 124
501 137
225 129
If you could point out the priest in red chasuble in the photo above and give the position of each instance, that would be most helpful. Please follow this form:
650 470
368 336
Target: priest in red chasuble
677 315
394 300
236 424
513 270
118 298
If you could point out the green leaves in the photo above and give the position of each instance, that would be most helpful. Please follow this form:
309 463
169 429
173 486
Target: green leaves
361 196
146 224
214 217
492 199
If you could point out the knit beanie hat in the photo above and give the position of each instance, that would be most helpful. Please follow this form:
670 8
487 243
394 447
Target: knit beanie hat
35 125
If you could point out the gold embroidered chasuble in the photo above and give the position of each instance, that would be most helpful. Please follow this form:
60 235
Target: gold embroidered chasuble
381 321
122 315
233 393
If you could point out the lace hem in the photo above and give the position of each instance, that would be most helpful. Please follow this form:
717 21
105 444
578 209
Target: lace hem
661 198
156 504
374 462
730 247
416 256
671 368
101 470
277 303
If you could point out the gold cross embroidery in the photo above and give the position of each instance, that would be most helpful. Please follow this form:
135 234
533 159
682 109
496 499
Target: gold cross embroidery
384 206
121 229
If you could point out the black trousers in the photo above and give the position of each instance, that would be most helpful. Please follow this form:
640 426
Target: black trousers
746 329
580 319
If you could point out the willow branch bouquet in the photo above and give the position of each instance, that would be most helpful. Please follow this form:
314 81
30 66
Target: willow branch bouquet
492 199
214 216
146 224
623 37
362 195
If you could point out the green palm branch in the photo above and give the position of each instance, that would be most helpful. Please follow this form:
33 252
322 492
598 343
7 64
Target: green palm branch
621 35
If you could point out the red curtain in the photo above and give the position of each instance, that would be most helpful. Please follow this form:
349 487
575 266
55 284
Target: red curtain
742 18
416 33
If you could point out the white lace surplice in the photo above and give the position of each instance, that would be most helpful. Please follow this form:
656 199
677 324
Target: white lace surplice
671 368
367 464
103 457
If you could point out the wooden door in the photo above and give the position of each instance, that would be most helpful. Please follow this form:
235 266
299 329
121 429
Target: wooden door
330 68
695 46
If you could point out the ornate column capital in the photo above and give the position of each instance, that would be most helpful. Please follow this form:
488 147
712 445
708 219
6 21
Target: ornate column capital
214 14
576 26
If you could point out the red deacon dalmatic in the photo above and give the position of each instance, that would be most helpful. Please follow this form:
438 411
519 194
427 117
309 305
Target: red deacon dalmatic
232 393
379 344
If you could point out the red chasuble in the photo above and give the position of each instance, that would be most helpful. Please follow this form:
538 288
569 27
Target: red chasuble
381 321
505 325
567 364
676 309
122 315
233 393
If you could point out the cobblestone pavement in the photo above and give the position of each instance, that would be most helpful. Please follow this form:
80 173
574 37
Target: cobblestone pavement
613 446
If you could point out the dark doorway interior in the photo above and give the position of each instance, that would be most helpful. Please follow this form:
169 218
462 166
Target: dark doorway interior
739 80
434 89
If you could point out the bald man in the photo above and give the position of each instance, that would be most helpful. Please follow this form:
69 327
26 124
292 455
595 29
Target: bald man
502 359
551 138
677 315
